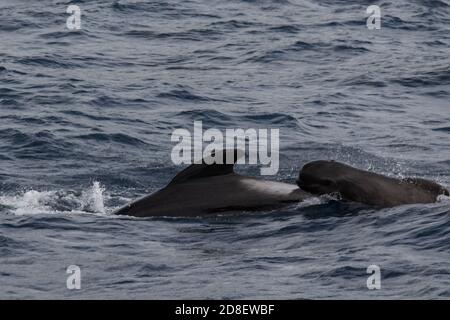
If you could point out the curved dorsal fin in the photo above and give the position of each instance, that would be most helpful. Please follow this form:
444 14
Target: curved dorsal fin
204 169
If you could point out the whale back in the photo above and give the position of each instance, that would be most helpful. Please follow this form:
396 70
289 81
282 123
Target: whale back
210 188
427 185
353 184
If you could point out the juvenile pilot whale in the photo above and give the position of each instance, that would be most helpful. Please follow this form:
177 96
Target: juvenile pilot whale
202 189
325 177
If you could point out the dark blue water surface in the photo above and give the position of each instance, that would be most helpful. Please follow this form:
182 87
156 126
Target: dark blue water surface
85 125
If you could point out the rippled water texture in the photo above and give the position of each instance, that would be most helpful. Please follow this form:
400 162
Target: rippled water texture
85 124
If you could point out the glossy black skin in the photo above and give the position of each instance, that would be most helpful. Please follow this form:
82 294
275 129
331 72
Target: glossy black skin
326 177
221 194
213 187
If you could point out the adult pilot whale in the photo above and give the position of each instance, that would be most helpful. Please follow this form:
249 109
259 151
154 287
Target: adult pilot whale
204 188
325 177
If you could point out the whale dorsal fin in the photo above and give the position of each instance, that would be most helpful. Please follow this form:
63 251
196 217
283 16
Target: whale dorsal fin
195 171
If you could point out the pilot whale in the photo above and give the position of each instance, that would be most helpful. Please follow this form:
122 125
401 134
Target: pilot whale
204 188
326 177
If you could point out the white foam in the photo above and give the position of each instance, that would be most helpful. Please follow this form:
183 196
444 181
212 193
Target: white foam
443 198
313 201
31 202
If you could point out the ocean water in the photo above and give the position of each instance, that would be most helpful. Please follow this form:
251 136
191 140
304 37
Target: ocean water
85 124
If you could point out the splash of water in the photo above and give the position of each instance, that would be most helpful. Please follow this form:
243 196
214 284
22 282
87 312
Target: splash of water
443 198
94 198
32 202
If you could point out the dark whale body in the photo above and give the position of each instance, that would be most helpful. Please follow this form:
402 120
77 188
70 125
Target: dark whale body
203 189
325 177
